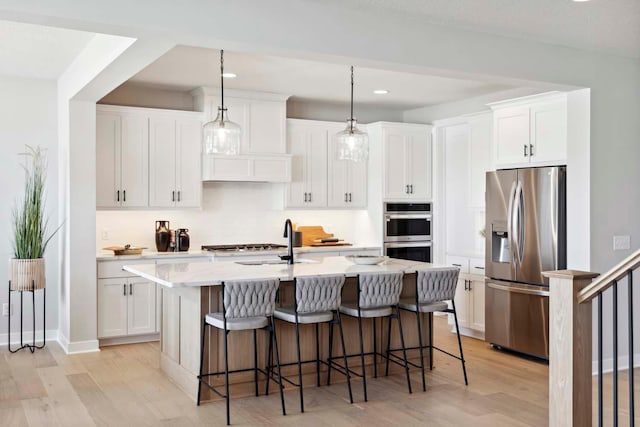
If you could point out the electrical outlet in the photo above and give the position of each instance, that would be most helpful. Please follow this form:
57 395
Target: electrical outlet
621 243
5 309
105 234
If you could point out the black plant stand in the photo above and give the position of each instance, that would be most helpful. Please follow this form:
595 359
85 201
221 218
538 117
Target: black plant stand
32 347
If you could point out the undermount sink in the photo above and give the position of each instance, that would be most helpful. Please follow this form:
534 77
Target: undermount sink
276 261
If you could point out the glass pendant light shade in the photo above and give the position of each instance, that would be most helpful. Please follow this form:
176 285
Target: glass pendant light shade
221 136
353 143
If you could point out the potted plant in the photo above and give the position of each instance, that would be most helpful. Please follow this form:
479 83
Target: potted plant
30 226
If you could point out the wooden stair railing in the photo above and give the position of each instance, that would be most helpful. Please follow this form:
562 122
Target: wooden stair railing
570 342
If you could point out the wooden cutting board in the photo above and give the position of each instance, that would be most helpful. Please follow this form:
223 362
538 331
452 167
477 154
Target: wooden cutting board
311 233
331 244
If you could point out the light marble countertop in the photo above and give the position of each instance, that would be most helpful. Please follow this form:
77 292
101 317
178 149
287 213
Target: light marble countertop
210 274
108 255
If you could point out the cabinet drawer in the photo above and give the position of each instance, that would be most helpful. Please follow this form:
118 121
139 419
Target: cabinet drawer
460 262
114 268
476 266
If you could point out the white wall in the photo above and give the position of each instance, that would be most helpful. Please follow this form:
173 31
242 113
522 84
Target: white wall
228 215
338 112
27 116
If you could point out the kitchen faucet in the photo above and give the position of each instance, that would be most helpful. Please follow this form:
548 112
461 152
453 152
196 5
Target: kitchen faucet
288 232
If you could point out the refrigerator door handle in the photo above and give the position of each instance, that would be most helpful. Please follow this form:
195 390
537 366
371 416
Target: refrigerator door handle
512 195
516 222
518 290
522 221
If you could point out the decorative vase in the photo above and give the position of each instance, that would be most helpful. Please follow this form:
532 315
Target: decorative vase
27 274
163 236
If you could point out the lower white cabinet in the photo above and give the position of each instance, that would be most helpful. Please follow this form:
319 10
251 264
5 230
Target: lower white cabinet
126 306
469 298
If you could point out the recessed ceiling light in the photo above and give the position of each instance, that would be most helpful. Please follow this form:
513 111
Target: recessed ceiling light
381 91
580 1
229 75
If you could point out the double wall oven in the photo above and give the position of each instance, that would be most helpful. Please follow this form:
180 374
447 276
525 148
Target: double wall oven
407 231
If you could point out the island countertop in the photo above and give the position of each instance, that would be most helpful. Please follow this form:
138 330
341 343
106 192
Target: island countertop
183 274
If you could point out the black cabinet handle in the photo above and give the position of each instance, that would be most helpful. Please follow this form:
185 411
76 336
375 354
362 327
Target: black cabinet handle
406 190
309 196
457 265
305 197
470 289
124 195
525 150
411 188
349 197
173 196
124 289
530 149
118 196
130 289
346 198
179 195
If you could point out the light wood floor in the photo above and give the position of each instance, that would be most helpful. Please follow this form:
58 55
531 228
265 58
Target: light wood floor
122 385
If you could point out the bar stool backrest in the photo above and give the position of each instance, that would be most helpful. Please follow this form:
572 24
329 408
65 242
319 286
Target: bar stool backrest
379 289
318 293
250 298
437 284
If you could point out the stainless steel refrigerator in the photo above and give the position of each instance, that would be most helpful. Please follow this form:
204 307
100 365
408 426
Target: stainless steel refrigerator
525 235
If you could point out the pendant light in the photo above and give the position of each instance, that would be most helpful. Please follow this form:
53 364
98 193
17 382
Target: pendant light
221 136
353 144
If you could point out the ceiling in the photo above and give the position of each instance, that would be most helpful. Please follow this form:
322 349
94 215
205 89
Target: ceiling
186 68
39 52
611 26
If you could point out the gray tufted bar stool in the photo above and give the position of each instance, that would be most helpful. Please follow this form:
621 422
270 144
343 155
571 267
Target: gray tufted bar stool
316 300
434 288
246 305
378 297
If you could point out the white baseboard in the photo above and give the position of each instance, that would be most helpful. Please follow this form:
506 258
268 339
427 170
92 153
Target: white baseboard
27 337
134 339
623 364
76 347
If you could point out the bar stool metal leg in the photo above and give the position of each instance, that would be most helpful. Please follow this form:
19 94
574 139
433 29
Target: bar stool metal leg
464 368
299 365
255 360
375 350
364 375
269 362
204 330
386 373
421 346
404 349
430 317
344 357
330 353
275 344
226 375
317 355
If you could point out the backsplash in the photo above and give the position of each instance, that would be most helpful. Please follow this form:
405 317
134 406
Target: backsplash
233 212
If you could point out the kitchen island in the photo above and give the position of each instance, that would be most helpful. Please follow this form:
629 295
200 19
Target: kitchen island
190 290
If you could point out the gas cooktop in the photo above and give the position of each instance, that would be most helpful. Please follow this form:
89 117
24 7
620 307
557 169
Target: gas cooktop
244 247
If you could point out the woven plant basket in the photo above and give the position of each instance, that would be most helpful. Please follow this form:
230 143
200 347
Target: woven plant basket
26 274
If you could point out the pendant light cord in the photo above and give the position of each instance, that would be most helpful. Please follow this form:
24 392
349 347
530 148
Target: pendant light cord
222 78
351 120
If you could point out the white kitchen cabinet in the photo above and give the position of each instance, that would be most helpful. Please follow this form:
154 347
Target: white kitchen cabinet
480 135
307 143
174 166
347 180
469 297
112 308
122 156
126 306
407 160
261 116
530 131
141 307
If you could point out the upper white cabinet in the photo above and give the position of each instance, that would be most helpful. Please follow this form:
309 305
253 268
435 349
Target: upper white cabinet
147 158
263 148
347 180
174 161
122 159
480 135
406 163
318 178
530 131
307 142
